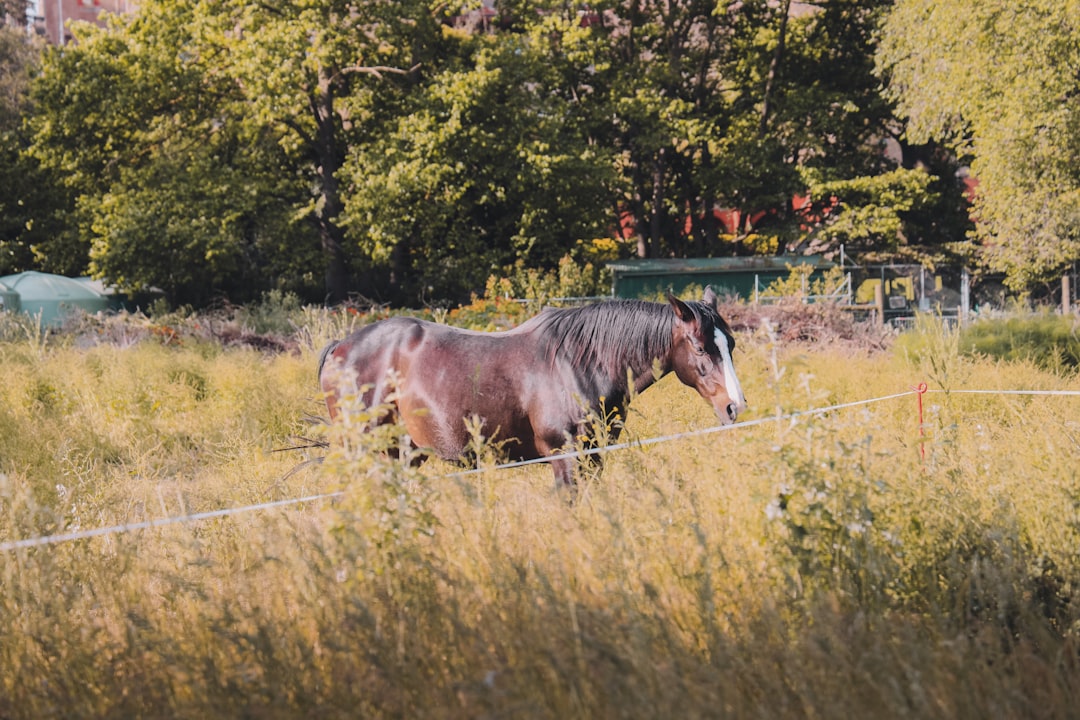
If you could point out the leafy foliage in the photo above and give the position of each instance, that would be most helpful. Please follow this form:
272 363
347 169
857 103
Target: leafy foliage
33 228
489 163
171 194
869 215
391 151
995 81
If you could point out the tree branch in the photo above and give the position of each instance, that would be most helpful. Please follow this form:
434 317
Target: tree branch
376 70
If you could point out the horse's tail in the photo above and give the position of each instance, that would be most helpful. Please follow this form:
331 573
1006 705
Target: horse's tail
325 354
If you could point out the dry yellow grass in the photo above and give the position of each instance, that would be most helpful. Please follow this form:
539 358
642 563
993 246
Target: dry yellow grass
809 567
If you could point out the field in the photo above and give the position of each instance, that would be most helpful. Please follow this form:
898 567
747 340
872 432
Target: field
838 564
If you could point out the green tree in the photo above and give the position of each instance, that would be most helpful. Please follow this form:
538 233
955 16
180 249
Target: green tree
747 106
318 74
17 59
997 82
671 82
202 140
489 162
867 214
169 192
225 148
33 206
15 63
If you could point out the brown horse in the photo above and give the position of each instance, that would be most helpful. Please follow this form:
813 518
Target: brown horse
534 386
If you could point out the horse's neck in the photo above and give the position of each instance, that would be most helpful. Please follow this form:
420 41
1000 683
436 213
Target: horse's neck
644 378
643 373
630 376
621 353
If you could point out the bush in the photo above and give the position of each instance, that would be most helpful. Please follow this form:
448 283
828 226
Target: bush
1050 341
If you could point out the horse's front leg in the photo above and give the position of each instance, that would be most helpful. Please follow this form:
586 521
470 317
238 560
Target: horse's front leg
570 471
557 444
565 470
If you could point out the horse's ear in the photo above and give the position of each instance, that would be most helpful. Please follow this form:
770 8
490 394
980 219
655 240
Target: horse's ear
709 298
681 309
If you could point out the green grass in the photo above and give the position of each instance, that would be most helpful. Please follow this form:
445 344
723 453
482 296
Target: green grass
818 567
1050 341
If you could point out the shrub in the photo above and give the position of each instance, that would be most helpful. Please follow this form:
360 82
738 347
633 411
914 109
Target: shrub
1050 341
276 312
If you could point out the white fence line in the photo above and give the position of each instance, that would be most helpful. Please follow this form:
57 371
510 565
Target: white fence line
158 522
1006 392
225 512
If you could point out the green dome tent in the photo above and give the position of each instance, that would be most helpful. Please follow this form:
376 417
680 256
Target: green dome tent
54 296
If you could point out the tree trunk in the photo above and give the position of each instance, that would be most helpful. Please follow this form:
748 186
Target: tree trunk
337 275
656 219
709 233
329 206
774 69
637 208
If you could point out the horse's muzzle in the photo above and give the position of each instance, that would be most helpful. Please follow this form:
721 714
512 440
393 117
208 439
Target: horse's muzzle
732 412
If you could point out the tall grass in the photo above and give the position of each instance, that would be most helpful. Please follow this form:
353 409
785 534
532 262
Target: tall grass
813 567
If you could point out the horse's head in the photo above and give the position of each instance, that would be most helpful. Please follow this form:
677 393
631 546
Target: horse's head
702 344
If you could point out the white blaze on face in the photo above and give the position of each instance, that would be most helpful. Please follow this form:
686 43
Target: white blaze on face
731 383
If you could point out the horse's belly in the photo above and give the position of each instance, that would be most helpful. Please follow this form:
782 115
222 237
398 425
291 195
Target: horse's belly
449 432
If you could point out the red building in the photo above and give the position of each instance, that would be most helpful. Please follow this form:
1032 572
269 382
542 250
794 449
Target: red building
52 16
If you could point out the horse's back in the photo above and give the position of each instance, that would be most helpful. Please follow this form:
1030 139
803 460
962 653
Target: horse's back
423 357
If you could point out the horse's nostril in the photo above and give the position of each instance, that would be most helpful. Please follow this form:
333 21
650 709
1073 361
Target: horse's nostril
732 411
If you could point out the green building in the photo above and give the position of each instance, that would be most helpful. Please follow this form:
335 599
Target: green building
727 276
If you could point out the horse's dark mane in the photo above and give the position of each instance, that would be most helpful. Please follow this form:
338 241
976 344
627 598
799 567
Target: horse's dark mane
612 335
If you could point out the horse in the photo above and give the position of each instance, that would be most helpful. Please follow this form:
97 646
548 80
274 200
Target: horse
534 386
